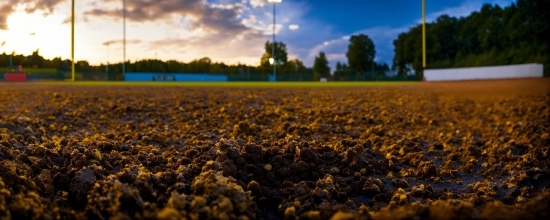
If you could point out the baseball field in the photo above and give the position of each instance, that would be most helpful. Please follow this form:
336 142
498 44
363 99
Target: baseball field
116 150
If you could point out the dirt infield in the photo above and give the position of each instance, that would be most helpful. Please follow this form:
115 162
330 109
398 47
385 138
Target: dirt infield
451 150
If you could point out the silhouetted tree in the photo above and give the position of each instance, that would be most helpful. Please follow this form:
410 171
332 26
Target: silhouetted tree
320 67
341 73
493 35
360 53
281 56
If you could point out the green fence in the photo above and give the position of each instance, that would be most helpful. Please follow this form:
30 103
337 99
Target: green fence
53 74
295 77
372 76
244 77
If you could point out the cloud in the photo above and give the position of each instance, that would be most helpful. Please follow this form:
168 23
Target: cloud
193 14
463 10
210 28
257 3
7 7
221 19
225 30
147 10
383 36
228 49
34 5
120 41
336 49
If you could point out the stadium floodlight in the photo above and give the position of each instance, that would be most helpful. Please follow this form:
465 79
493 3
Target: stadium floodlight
273 43
424 33
271 60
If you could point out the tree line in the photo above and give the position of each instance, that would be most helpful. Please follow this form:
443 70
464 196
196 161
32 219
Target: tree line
517 34
361 54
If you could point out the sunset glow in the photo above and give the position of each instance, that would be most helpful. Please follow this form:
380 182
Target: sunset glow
226 31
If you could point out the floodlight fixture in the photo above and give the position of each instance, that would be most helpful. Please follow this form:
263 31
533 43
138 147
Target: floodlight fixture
271 60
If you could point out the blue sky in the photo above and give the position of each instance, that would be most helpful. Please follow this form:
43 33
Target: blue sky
381 20
232 31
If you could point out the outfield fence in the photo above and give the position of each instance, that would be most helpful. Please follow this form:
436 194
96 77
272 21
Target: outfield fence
55 75
488 72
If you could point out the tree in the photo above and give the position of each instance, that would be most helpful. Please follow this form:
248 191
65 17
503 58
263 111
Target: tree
491 36
82 65
342 72
320 67
199 66
360 53
294 66
281 56
35 59
294 70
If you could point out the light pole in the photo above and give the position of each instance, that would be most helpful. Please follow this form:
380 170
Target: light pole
423 33
72 41
124 37
273 43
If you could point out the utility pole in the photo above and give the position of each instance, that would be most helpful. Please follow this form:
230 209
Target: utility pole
424 33
72 41
273 45
124 37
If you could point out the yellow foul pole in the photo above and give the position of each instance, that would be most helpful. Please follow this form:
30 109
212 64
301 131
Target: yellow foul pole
72 40
424 33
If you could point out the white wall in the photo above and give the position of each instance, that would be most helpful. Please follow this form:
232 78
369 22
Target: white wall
490 72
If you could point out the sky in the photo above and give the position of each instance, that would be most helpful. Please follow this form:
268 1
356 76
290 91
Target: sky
230 31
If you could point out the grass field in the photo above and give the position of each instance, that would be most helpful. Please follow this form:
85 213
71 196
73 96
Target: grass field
473 87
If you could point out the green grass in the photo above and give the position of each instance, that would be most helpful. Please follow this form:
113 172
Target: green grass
29 70
229 84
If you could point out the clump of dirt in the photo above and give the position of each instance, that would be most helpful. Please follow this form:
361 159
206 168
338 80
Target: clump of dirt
206 153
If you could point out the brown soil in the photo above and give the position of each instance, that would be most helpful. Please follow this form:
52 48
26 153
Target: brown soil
435 151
